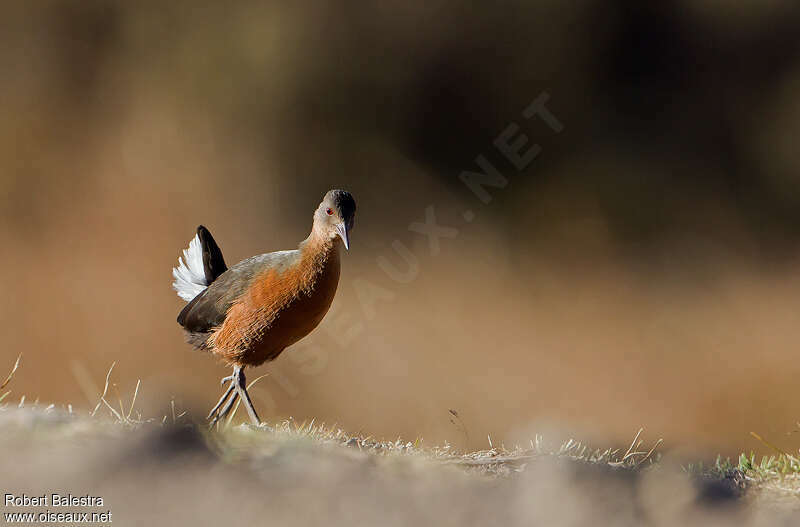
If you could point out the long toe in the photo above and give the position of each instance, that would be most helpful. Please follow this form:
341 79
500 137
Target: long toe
225 410
221 401
248 405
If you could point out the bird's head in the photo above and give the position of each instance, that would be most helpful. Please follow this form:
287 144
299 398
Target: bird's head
335 216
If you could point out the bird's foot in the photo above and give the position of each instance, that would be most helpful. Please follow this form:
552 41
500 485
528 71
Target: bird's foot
236 389
225 404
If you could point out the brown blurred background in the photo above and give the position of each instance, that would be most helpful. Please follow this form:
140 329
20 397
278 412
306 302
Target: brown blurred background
642 271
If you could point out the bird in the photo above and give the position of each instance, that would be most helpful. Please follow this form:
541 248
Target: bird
248 314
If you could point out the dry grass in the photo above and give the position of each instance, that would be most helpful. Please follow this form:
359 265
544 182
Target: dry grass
568 481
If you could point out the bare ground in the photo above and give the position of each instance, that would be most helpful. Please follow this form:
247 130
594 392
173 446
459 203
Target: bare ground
177 473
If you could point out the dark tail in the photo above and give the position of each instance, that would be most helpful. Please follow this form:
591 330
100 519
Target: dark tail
191 282
213 262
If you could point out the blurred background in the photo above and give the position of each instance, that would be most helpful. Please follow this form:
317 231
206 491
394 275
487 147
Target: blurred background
643 270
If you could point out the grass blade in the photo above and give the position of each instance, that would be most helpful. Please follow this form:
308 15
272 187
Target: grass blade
13 370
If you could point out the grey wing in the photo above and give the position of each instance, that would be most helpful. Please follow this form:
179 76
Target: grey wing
208 309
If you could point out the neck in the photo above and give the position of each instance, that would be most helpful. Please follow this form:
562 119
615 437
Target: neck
318 253
318 244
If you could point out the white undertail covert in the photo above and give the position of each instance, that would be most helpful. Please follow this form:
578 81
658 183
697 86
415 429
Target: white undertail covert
190 278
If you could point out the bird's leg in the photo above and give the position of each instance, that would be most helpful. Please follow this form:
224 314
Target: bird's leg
221 401
230 395
241 390
225 409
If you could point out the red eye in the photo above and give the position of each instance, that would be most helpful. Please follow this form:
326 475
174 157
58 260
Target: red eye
329 211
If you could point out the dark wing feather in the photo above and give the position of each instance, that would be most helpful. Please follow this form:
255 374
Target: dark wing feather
208 309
